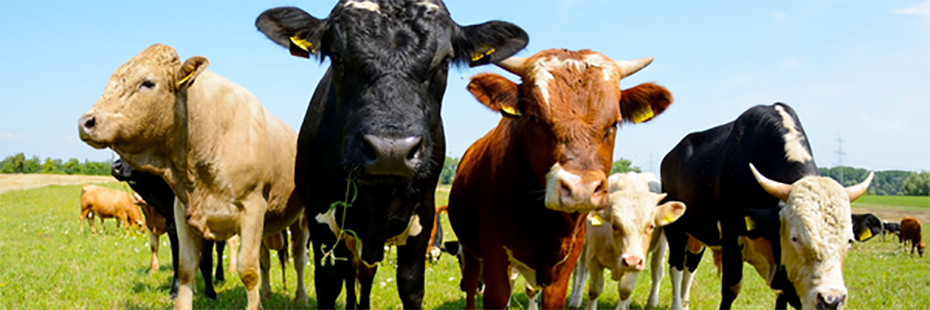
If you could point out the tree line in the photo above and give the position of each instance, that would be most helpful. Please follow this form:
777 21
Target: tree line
20 164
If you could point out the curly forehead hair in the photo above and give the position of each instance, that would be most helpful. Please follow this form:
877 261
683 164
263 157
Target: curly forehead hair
154 56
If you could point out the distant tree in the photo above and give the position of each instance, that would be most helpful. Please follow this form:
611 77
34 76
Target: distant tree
622 166
449 166
885 183
72 166
19 164
13 164
32 165
917 184
51 166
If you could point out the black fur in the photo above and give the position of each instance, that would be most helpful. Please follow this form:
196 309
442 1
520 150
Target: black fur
709 172
863 222
387 79
156 192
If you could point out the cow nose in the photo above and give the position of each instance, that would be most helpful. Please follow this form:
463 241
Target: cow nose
86 124
831 299
578 193
388 156
117 167
633 263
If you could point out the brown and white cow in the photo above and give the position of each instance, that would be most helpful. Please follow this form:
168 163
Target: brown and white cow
108 203
910 232
228 160
623 236
547 160
155 224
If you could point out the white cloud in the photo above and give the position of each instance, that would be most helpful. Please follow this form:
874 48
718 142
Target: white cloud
70 139
885 127
919 9
13 136
791 63
779 16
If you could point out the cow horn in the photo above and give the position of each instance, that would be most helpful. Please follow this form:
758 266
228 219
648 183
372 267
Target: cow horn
513 65
857 190
775 188
628 67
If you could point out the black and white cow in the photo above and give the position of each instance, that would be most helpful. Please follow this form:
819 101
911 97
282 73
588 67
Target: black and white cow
891 228
156 192
866 226
795 228
374 120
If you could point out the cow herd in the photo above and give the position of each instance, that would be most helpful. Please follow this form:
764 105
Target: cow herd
532 197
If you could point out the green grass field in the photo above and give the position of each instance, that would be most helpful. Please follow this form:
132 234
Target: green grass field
921 203
48 264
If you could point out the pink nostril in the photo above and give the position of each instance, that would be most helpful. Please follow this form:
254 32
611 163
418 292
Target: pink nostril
564 190
633 262
90 122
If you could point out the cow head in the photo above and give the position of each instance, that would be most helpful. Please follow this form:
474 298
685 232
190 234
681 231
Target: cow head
815 232
389 66
137 107
633 217
566 114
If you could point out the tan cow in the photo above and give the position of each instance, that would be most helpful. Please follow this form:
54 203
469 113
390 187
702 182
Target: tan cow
228 160
155 224
621 237
108 203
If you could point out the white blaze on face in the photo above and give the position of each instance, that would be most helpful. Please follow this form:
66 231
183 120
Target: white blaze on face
815 235
364 5
544 67
794 150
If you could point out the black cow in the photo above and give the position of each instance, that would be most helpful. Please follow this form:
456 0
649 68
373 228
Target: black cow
156 192
893 228
866 226
374 122
710 171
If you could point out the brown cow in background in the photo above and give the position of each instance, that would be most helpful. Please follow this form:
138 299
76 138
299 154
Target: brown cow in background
108 203
547 161
910 231
155 224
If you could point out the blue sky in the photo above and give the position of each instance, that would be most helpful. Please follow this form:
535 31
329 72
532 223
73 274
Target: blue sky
856 70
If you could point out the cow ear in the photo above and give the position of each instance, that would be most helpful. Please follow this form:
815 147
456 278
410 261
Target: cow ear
669 212
761 223
489 42
190 70
643 102
497 93
292 28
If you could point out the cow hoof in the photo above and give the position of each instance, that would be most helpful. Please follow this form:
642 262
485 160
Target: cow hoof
211 294
174 295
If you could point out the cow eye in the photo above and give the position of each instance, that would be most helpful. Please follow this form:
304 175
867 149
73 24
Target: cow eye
652 226
794 239
147 84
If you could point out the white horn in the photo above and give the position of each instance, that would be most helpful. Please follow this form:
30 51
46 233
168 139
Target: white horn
857 190
628 67
513 65
775 188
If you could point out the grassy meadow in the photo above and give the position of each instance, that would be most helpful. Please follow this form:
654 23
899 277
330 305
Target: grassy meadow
48 264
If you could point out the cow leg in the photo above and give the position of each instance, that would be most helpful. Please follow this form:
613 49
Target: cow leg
153 244
692 260
85 213
411 260
496 278
732 272
173 240
471 272
300 235
658 255
265 264
365 278
251 233
220 247
233 253
677 244
781 302
596 285
189 250
206 266
579 277
553 296
625 289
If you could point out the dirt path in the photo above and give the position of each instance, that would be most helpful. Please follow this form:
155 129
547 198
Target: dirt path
14 182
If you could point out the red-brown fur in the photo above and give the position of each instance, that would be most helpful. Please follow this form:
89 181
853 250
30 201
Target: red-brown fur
910 231
108 203
496 198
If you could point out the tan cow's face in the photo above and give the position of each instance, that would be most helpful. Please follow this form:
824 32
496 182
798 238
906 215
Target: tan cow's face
816 232
566 114
138 104
633 217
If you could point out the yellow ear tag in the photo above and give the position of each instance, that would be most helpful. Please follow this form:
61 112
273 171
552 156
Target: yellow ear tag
303 44
642 115
477 56
596 220
750 223
865 234
510 110
182 81
668 218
